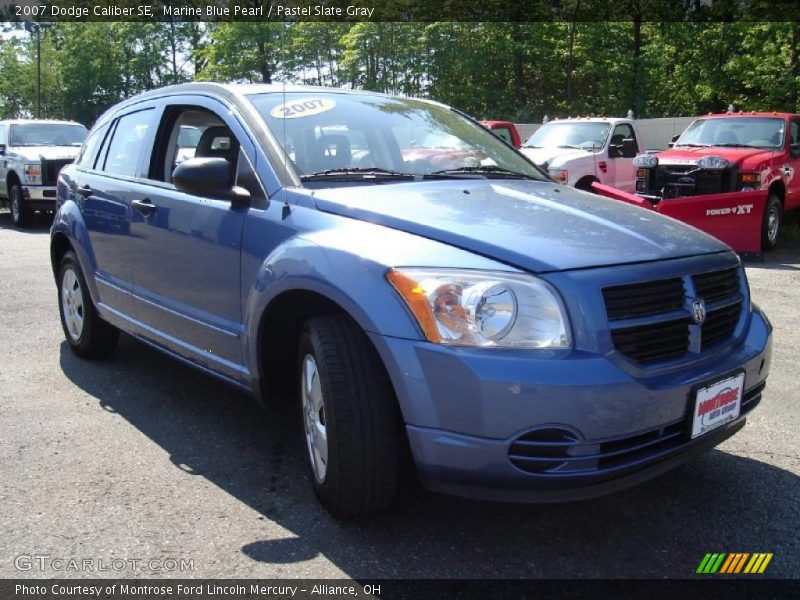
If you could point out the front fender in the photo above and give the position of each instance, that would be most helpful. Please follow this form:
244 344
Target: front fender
69 222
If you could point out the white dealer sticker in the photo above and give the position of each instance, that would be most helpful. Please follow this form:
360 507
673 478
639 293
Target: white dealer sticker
304 107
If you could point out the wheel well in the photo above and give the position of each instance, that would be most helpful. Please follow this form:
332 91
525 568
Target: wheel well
585 183
279 336
11 180
778 188
59 246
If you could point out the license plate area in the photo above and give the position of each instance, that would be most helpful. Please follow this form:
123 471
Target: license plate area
717 403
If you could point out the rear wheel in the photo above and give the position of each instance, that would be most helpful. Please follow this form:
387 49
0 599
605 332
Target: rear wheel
87 334
21 213
350 418
771 226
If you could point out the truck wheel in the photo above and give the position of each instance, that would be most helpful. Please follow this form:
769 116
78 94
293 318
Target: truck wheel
87 334
585 184
21 213
351 419
771 226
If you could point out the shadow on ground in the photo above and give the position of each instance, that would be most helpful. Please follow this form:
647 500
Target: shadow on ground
720 502
41 223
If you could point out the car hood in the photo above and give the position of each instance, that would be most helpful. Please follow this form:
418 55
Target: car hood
739 156
537 226
553 156
37 153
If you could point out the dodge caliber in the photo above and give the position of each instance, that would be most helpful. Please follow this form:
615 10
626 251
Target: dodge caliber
423 292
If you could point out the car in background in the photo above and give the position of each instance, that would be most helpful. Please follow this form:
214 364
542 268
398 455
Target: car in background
733 174
516 339
583 150
32 152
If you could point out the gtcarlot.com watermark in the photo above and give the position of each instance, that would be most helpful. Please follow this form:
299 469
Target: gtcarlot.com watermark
65 564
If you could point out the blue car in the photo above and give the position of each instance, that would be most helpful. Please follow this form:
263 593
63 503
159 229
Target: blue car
422 291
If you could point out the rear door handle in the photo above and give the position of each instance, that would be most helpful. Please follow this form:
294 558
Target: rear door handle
144 206
85 191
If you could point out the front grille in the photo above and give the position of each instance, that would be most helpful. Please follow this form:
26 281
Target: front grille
656 341
688 180
646 298
715 285
653 321
51 169
720 324
554 451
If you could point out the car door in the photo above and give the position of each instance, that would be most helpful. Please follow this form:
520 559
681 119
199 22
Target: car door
108 164
3 161
187 248
620 171
791 167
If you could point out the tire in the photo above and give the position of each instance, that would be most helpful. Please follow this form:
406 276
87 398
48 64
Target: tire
347 396
21 214
771 223
87 334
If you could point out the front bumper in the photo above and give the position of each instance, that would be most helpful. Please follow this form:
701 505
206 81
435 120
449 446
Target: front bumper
465 409
40 197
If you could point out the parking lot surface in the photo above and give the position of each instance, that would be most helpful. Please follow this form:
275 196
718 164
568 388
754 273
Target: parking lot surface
139 457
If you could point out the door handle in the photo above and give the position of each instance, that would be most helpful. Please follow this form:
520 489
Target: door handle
85 191
144 206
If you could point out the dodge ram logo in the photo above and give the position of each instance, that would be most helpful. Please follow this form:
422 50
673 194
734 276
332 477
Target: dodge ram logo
699 311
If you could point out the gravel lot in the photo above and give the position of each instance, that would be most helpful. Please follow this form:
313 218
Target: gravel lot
140 457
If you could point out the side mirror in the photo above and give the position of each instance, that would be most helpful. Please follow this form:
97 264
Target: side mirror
629 148
2 149
209 177
614 151
675 138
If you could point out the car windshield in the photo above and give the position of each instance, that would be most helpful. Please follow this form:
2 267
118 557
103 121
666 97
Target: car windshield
755 132
569 134
379 137
47 134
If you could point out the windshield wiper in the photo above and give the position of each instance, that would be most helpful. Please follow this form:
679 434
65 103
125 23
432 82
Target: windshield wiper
485 170
359 172
526 146
694 145
571 146
731 145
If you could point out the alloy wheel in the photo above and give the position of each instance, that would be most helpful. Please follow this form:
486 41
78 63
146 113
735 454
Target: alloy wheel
314 418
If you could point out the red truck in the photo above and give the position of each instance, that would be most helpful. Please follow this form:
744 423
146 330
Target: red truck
731 175
505 130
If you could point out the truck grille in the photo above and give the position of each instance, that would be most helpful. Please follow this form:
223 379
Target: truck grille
51 169
666 309
688 180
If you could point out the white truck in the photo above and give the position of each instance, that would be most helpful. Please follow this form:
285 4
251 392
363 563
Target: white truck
32 152
579 151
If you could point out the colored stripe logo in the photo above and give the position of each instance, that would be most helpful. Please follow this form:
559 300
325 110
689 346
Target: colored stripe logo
734 563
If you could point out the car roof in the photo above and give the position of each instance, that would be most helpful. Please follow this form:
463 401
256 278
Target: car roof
724 115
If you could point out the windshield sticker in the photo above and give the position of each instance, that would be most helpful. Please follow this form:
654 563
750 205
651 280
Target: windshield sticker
305 107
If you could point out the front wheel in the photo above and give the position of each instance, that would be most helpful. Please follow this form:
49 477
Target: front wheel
21 213
87 334
771 226
351 419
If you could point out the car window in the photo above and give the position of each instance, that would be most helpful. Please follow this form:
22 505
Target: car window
623 131
126 144
795 133
569 134
756 132
88 154
190 131
47 134
504 133
2 133
324 131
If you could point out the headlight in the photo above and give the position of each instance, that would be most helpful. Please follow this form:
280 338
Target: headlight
560 175
645 161
713 163
486 309
33 174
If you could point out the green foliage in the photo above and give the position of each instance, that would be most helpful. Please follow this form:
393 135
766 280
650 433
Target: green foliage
515 70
